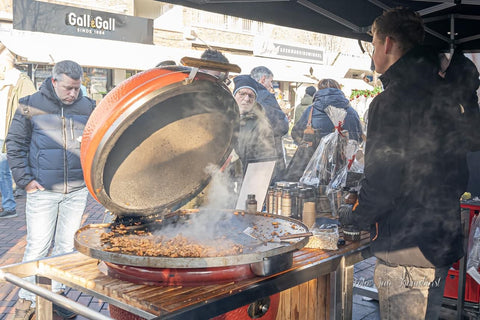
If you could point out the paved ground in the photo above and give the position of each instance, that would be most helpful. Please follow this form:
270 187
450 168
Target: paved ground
12 244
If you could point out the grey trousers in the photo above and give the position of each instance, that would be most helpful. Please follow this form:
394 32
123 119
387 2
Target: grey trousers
409 293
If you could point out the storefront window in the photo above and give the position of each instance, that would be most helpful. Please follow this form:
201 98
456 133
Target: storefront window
41 73
97 81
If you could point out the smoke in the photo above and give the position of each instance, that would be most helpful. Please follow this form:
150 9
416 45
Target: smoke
221 189
209 223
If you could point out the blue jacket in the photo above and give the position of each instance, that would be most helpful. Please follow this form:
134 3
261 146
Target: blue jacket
43 142
320 120
279 123
277 118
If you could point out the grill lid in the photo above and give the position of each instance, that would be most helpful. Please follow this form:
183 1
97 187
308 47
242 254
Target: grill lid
147 145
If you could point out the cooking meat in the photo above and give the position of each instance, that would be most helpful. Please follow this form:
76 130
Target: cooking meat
143 243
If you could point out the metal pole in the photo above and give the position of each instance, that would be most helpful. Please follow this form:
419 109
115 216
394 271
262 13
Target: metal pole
452 34
55 298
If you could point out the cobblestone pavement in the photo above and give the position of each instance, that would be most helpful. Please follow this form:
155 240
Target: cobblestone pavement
12 244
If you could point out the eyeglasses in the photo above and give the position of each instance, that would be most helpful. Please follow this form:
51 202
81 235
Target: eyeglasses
244 94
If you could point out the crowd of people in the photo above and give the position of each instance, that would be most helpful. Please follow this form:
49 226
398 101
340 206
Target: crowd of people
413 155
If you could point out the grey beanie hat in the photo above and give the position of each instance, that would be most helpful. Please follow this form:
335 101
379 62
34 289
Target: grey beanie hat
244 81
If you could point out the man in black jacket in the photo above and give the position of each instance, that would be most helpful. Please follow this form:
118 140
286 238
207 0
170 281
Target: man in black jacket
43 149
410 194
276 117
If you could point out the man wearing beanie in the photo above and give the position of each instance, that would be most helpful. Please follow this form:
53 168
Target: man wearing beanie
306 101
255 139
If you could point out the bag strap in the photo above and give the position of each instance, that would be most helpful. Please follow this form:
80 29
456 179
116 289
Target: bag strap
309 123
309 130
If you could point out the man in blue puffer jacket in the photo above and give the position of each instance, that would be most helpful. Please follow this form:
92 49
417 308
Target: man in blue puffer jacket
328 94
43 149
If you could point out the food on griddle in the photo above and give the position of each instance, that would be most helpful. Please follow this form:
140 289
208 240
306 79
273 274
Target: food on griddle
143 243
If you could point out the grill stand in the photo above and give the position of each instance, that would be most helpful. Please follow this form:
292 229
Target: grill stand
81 273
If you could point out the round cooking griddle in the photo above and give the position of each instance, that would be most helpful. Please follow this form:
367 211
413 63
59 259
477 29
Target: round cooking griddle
224 225
147 145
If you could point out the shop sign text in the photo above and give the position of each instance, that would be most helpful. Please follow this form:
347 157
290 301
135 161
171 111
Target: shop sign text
85 23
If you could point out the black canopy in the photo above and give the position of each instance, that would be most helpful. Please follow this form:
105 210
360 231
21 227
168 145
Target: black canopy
353 18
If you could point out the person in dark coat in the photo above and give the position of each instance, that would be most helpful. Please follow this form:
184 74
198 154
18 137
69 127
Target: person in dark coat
306 101
409 197
276 117
255 138
328 94
43 149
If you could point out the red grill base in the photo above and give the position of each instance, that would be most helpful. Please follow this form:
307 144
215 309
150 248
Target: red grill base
237 314
179 277
190 277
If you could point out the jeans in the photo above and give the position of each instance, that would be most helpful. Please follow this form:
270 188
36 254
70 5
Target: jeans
6 184
409 293
51 216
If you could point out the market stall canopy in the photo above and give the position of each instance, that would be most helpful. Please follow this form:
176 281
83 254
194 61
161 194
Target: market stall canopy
37 47
448 22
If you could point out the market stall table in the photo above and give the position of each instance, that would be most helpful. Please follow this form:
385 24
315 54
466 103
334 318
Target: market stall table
319 284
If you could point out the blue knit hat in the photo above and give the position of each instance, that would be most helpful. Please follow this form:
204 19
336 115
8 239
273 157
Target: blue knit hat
310 90
244 81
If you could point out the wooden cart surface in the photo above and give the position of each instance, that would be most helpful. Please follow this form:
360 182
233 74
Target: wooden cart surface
319 285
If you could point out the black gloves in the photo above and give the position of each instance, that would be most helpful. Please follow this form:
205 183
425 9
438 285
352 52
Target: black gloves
351 231
345 214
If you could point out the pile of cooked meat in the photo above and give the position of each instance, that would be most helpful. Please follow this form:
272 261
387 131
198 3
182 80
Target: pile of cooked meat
142 243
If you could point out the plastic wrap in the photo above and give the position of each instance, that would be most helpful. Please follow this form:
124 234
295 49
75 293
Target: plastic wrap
339 181
329 157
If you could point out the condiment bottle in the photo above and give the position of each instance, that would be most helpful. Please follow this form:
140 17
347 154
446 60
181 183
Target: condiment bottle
308 217
286 203
251 204
309 210
301 202
278 200
270 199
294 196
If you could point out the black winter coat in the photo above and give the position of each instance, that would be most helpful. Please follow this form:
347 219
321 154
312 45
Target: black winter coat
279 124
276 117
413 178
43 142
320 120
255 138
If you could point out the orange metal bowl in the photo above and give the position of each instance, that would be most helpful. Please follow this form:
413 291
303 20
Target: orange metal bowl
146 146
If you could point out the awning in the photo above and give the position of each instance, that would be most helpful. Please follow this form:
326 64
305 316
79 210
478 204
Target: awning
37 47
449 23
290 71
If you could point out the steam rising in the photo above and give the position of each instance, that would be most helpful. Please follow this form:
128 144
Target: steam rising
210 222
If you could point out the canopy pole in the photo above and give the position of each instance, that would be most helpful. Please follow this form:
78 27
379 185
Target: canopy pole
452 33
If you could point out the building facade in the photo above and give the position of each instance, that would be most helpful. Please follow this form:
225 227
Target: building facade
114 39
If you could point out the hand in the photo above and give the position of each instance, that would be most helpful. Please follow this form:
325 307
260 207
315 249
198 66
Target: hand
33 186
345 214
